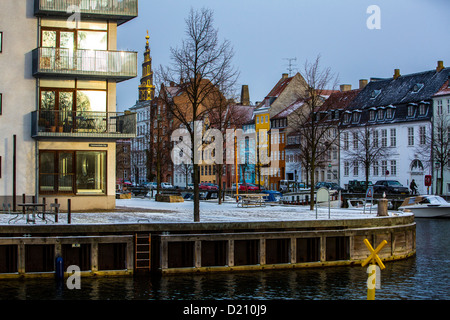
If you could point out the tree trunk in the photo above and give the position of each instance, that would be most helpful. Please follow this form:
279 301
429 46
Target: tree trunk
196 194
219 180
311 193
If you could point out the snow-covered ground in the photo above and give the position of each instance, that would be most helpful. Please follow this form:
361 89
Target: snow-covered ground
139 210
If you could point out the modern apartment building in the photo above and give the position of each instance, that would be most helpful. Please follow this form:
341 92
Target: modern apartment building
60 66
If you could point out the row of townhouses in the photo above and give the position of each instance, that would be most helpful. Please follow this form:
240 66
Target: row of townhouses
385 129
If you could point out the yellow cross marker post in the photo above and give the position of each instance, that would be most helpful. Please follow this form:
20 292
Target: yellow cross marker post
373 259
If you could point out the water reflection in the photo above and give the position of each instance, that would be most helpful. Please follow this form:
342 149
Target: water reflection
422 277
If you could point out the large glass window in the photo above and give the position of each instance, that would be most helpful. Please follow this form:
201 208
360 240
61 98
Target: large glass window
74 172
91 172
92 40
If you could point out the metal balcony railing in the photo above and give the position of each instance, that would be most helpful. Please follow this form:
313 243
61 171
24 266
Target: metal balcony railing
89 64
83 124
119 10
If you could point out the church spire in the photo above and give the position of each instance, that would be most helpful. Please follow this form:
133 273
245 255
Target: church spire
147 89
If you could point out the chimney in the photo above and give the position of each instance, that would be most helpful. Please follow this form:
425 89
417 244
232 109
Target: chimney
346 87
362 83
396 73
245 96
440 66
285 76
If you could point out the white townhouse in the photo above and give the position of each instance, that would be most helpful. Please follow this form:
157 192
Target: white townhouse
397 114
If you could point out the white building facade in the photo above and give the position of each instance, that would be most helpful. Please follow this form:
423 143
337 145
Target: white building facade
397 112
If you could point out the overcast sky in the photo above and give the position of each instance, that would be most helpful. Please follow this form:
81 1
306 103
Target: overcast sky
413 36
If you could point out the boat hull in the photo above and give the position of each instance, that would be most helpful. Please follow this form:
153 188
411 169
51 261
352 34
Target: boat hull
429 211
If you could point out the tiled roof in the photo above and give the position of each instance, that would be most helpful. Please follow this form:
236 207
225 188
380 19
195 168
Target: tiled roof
445 89
287 111
276 91
403 90
340 100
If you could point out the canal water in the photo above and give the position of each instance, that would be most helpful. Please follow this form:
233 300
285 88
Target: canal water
423 277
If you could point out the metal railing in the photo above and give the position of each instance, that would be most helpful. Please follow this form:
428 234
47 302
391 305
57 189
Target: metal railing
55 123
122 10
118 65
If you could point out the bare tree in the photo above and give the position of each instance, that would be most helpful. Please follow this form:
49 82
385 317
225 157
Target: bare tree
200 66
363 146
440 147
312 122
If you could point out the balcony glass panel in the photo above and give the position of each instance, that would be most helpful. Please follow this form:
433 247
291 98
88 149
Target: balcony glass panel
90 64
79 124
121 10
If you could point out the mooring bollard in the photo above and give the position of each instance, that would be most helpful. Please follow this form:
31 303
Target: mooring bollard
382 208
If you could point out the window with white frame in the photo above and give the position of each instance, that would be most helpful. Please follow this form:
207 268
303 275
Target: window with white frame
355 140
439 107
375 168
393 137
384 138
355 168
383 167
394 167
346 168
375 139
345 143
410 136
423 135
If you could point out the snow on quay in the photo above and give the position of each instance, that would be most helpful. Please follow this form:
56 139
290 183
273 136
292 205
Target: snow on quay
138 210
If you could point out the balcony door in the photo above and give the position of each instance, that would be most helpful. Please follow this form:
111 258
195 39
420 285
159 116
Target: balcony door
57 109
58 49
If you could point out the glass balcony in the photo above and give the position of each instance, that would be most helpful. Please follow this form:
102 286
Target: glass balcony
119 10
84 64
54 124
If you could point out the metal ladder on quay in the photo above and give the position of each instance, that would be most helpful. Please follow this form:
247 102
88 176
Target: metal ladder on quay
142 251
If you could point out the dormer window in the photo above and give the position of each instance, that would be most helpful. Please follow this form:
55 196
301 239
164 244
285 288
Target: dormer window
417 87
389 113
375 93
336 114
356 116
380 114
422 109
411 110
372 115
347 117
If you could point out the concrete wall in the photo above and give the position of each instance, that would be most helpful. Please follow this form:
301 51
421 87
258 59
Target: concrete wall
18 88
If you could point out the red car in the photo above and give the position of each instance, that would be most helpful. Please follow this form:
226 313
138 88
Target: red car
248 187
207 186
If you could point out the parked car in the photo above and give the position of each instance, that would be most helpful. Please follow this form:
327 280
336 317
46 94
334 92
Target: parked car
166 185
139 191
258 186
246 187
390 186
206 186
358 186
151 185
329 185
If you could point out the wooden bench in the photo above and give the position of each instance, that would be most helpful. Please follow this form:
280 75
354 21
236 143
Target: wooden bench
251 199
